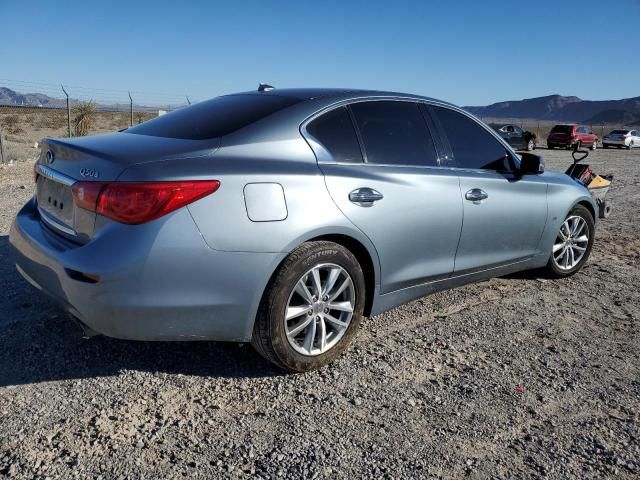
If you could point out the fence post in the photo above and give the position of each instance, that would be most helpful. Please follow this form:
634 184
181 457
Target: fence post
1 146
68 111
130 110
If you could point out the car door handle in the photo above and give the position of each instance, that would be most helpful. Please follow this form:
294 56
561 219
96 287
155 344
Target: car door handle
365 196
476 195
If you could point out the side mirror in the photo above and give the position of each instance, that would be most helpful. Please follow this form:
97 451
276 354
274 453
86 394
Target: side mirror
531 164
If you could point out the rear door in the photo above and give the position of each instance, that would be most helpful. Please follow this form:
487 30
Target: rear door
518 138
504 213
384 175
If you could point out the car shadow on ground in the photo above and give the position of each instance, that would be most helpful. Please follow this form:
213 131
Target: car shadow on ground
40 342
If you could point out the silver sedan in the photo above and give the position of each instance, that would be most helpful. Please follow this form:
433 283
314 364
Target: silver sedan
282 217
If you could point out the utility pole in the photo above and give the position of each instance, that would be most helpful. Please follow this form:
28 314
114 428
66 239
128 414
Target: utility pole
68 111
1 147
188 101
130 110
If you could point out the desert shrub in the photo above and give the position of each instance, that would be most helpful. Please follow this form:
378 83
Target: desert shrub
84 116
140 117
11 123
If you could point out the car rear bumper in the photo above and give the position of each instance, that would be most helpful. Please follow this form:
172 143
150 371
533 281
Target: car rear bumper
157 281
617 143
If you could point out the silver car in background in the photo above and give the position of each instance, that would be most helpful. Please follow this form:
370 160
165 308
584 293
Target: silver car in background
622 138
282 217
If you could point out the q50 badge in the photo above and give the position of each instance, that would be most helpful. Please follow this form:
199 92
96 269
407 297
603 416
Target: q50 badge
89 172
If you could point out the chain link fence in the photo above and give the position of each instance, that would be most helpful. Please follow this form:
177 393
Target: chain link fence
23 127
58 111
61 111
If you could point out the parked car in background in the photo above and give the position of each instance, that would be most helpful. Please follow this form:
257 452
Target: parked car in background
283 217
622 138
566 136
516 137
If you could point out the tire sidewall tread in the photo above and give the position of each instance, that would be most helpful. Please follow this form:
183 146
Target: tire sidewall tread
269 336
551 267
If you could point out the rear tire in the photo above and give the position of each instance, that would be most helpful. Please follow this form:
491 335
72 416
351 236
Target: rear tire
550 147
572 244
309 340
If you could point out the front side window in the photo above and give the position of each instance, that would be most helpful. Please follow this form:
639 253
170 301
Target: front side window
335 131
394 133
473 147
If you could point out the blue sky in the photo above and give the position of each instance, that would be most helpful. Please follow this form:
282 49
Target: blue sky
467 52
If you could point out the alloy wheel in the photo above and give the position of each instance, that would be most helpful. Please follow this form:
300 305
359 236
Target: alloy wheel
319 309
571 243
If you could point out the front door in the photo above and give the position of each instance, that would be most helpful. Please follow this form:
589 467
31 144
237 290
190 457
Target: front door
504 213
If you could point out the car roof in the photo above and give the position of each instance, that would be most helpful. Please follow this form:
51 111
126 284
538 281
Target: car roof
331 93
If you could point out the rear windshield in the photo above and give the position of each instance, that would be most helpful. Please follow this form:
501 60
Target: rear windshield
213 118
562 129
619 132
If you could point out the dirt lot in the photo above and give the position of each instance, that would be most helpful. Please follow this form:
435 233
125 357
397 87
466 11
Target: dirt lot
514 377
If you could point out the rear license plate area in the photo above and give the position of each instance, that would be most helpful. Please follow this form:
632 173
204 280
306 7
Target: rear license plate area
56 200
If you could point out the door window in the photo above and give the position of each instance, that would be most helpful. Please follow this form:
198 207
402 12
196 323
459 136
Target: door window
335 131
394 133
472 146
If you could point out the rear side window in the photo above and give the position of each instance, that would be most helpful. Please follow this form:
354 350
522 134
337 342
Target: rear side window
394 133
562 129
472 145
213 118
335 131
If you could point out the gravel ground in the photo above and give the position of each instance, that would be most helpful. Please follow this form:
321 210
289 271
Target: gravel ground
514 377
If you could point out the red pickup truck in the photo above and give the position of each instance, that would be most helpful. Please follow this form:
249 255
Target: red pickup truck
569 135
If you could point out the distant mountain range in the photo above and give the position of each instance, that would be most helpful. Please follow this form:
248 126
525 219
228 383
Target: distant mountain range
552 107
565 109
11 97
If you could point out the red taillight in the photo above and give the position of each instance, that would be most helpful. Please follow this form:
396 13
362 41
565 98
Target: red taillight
135 203
85 194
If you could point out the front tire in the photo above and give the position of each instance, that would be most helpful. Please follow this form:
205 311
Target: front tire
311 309
573 243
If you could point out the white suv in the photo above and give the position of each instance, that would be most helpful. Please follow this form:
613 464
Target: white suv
622 138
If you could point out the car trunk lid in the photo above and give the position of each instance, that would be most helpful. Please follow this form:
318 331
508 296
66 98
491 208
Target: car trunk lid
102 158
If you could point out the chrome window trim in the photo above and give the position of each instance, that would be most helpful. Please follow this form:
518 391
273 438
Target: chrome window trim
324 157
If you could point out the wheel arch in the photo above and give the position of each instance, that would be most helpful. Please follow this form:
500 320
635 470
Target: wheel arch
365 260
364 253
589 206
